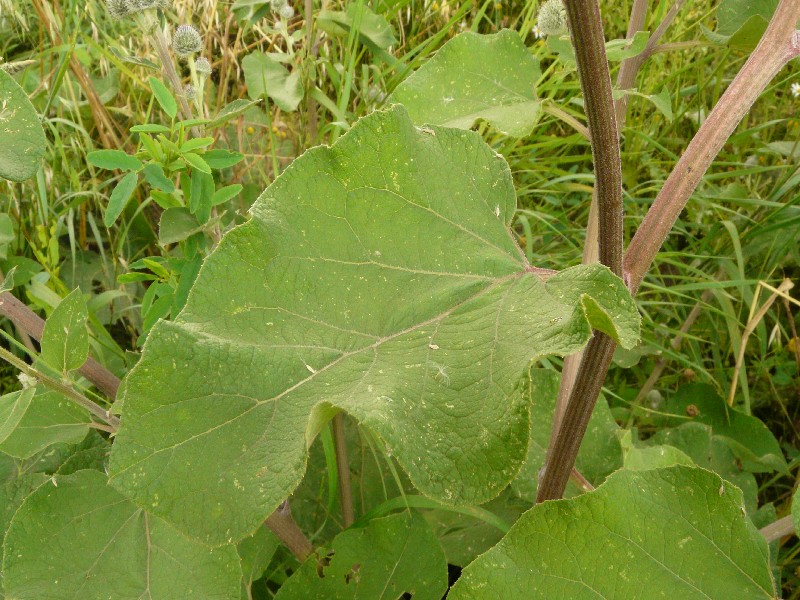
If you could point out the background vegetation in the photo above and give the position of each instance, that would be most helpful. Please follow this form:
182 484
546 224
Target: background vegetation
88 74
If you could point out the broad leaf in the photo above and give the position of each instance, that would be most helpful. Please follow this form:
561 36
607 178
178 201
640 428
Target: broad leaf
378 277
22 141
119 197
265 76
65 340
600 452
746 435
381 561
164 97
114 159
50 419
12 408
678 532
709 451
475 77
373 30
75 537
255 553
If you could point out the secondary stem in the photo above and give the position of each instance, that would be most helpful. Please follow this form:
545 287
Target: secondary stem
33 325
62 388
780 44
343 470
283 525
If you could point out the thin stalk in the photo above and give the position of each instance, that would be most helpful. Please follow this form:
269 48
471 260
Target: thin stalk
779 45
778 529
62 388
343 470
33 325
283 525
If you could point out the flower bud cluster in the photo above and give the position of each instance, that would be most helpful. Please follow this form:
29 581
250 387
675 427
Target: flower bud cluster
552 18
282 8
186 41
119 9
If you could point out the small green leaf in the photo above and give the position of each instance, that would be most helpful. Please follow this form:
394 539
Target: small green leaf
13 407
50 419
265 76
618 50
65 340
114 159
154 175
196 143
7 234
681 531
475 77
231 110
195 161
8 281
123 551
256 552
224 194
176 225
201 196
222 159
382 561
22 140
165 99
651 457
120 195
150 128
165 200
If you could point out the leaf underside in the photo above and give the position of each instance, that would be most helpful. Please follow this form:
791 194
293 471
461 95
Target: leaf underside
378 277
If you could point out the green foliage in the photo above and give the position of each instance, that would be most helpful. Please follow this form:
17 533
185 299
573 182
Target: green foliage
682 530
466 317
475 77
406 276
22 141
381 561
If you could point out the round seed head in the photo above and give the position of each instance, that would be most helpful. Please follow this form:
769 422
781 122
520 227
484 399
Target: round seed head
186 41
286 12
203 67
190 92
552 17
118 9
141 5
277 5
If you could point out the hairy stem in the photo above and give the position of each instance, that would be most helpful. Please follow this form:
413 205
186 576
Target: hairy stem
586 29
605 219
343 470
561 459
33 325
283 525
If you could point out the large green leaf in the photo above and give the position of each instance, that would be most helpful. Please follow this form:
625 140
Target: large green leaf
389 556
678 532
378 277
22 141
474 77
76 537
12 408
